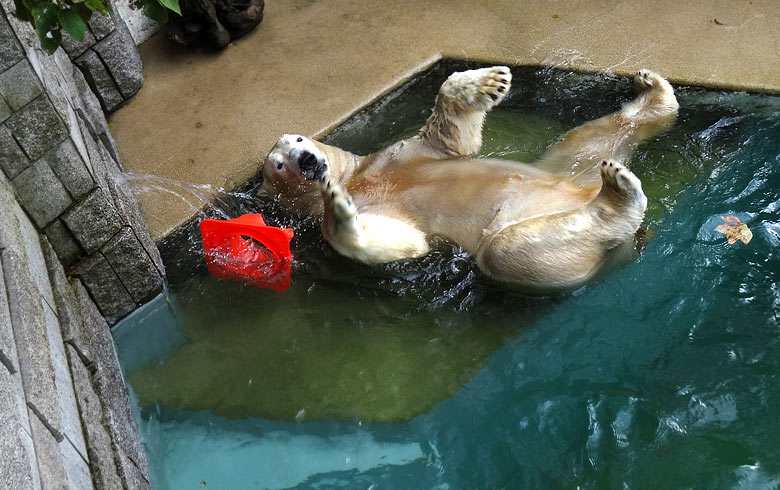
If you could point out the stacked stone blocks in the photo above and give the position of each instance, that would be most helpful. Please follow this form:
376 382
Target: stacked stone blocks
65 420
108 59
56 150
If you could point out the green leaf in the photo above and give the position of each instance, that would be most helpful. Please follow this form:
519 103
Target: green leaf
103 8
72 22
45 17
29 4
22 11
84 12
47 25
155 11
50 40
171 5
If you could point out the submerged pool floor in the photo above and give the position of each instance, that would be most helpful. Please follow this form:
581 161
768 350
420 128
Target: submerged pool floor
421 375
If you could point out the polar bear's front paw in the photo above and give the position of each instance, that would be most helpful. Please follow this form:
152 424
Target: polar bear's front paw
643 79
647 79
337 200
313 167
620 179
482 88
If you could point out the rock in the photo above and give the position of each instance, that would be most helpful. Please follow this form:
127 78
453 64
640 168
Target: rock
93 221
63 242
107 290
120 56
19 85
12 158
17 456
10 51
101 454
67 163
41 193
215 22
132 264
37 127
75 48
100 80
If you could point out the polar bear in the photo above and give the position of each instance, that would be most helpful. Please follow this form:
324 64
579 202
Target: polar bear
545 227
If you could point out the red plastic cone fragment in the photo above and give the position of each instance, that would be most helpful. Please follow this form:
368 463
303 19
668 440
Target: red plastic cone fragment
247 249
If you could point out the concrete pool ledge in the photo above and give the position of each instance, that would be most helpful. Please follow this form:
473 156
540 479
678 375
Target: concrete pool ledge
208 119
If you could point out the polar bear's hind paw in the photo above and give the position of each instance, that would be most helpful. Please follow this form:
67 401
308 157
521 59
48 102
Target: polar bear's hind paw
620 178
483 88
495 84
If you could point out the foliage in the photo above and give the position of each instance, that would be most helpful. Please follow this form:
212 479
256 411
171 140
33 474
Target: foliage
51 17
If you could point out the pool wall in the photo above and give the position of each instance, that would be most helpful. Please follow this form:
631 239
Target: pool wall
75 257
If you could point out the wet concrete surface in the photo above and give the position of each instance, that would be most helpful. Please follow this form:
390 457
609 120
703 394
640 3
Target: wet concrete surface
203 121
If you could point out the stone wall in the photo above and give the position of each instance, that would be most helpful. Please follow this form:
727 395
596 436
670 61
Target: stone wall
108 60
65 420
75 257
59 156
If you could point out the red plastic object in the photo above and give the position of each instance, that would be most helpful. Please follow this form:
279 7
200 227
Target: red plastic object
245 248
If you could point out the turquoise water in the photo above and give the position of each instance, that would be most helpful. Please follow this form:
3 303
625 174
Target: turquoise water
421 375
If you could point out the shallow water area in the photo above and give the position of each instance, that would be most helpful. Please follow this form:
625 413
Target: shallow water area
665 374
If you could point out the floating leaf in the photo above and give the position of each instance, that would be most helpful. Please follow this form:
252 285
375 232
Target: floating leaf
734 230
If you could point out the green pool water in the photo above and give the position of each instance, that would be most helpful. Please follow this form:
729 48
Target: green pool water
422 375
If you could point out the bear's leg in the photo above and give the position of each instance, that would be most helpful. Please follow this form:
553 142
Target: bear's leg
368 238
564 250
455 126
615 136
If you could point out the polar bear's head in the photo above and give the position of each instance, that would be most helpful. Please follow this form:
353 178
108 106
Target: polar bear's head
294 165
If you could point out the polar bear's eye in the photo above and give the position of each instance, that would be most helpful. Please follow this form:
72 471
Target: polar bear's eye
279 166
299 139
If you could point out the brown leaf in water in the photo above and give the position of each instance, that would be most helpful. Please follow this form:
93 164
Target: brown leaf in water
734 230
717 22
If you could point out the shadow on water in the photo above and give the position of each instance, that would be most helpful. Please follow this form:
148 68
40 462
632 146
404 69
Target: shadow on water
665 371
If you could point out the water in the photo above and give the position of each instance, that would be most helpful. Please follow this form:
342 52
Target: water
421 375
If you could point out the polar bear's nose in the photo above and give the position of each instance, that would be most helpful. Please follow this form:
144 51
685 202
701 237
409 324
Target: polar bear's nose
307 160
311 166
